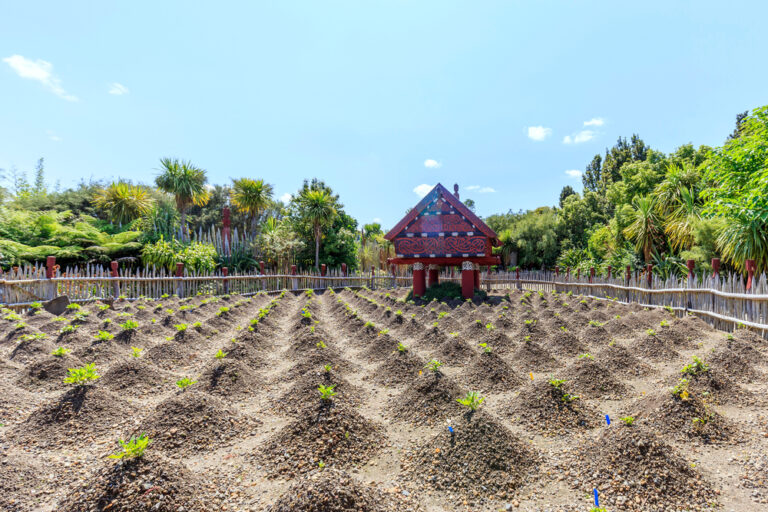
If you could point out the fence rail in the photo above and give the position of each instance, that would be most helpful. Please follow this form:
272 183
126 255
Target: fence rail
723 301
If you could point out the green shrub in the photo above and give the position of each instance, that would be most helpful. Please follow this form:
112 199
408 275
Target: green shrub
130 325
82 375
195 256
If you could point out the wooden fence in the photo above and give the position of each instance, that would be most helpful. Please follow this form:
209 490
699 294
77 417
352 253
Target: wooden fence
724 301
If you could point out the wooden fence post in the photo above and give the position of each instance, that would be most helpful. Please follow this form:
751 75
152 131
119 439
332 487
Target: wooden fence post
750 274
50 271
517 276
294 281
180 276
649 274
225 273
628 279
114 275
261 267
591 274
715 268
609 272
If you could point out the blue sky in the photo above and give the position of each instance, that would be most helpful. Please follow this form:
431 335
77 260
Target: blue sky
374 97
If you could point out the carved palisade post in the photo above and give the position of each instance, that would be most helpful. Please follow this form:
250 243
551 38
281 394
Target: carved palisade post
467 279
419 281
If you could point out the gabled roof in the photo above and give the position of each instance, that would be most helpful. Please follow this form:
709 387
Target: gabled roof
440 190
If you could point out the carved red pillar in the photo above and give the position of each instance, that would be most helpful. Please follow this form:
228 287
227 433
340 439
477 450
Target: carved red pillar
477 277
323 269
609 271
261 267
567 273
715 267
50 264
691 264
226 226
751 266
344 269
467 279
180 284
113 274
419 280
294 281
433 277
557 271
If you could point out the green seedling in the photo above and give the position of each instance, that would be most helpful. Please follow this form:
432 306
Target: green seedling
74 306
681 389
181 327
486 348
664 323
442 314
124 314
556 383
185 383
220 354
133 448
136 351
60 352
696 367
383 331
628 420
595 323
326 392
222 310
82 375
472 400
563 328
650 332
369 325
197 325
30 337
20 325
568 398
104 336
321 344
527 338
103 307
327 368
489 327
59 319
401 348
68 329
433 365
587 355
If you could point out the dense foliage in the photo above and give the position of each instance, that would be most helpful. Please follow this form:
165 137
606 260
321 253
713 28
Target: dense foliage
639 205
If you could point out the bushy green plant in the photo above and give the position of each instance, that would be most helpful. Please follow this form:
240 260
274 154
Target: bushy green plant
60 352
185 383
68 329
104 336
82 375
74 306
129 325
133 448
35 336
196 256
472 400
181 327
696 367
222 310
327 392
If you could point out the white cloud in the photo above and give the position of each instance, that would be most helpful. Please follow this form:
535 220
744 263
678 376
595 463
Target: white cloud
423 189
578 138
286 198
432 164
52 136
573 173
481 190
377 220
118 89
595 121
539 133
39 71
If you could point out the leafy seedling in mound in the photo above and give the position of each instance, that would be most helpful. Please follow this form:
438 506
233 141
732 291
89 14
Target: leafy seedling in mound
697 367
184 383
136 351
129 325
133 448
471 401
60 352
486 348
81 376
401 348
104 336
434 366
220 354
628 420
326 392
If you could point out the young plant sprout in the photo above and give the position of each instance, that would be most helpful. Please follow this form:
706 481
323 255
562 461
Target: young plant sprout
326 392
472 400
486 348
696 367
68 329
433 365
82 375
320 344
556 383
664 323
136 351
197 325
181 327
103 307
681 390
129 325
74 306
628 420
220 354
401 348
489 326
650 332
586 355
327 368
222 310
133 448
104 336
185 383
61 352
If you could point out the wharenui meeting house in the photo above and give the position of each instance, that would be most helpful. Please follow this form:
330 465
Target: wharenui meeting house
441 231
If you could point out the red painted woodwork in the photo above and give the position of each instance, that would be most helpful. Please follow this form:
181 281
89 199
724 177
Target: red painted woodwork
476 278
441 246
467 283
480 260
433 277
419 283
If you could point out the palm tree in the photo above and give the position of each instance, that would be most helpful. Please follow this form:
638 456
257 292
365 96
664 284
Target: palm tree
645 229
507 247
185 182
669 192
251 196
317 208
743 238
123 202
680 222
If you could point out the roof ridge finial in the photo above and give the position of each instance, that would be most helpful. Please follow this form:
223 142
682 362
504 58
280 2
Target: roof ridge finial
456 190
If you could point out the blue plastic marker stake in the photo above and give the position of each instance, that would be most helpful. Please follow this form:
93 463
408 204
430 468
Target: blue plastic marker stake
450 429
597 500
607 419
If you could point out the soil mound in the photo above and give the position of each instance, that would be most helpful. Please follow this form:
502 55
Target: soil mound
47 374
737 360
621 361
637 471
171 355
230 378
489 372
591 379
454 351
551 410
691 418
331 433
398 368
136 377
481 459
654 347
530 356
331 490
80 413
30 350
191 422
149 483
304 396
429 400
564 343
